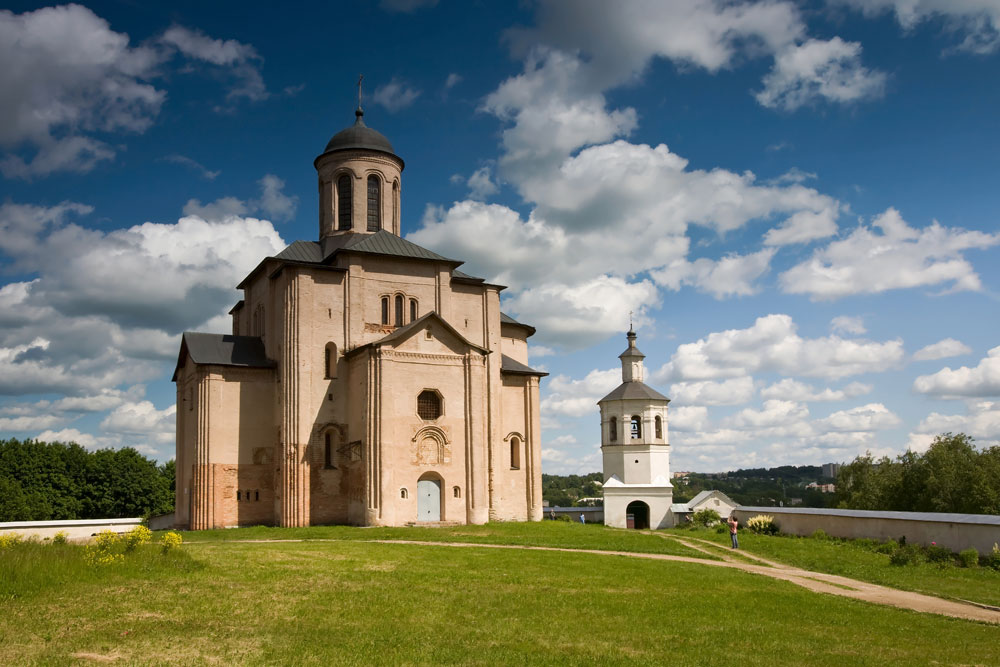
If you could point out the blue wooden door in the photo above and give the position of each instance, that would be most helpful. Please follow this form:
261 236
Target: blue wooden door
428 500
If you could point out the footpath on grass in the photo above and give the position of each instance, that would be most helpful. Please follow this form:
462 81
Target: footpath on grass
819 582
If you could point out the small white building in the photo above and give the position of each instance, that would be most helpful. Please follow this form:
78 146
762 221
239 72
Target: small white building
705 500
635 449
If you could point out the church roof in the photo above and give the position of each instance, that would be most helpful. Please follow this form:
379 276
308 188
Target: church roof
507 319
223 350
515 367
359 137
302 251
387 243
627 390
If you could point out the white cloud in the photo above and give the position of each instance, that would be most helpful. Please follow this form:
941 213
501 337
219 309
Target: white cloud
803 227
732 275
453 80
576 398
86 440
707 392
792 390
775 413
481 183
688 418
273 203
578 461
949 347
982 421
206 173
142 418
395 95
983 380
870 417
772 344
31 423
817 69
229 55
847 324
899 257
977 21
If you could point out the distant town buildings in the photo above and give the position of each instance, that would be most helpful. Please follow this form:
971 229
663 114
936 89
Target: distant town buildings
831 469
823 488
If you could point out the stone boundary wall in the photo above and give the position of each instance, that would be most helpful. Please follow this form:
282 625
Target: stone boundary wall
954 531
76 529
593 514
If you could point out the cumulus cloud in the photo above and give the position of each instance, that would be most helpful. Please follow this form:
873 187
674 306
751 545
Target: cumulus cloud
790 389
896 257
977 22
818 69
68 79
106 308
870 417
949 347
983 380
395 95
142 418
732 275
772 344
707 392
774 413
272 202
205 173
481 183
576 398
981 420
847 324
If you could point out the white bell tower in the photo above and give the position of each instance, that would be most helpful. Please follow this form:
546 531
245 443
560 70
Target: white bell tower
636 449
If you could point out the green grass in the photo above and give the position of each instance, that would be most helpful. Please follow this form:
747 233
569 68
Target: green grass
355 602
541 534
850 559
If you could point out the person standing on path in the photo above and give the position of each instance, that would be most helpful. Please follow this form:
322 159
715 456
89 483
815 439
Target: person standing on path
732 530
582 518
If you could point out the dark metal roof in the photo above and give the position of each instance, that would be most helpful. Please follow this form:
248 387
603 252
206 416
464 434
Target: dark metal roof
507 319
465 276
514 367
302 251
634 390
223 350
360 137
387 243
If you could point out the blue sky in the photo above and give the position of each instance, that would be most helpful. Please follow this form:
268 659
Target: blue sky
797 201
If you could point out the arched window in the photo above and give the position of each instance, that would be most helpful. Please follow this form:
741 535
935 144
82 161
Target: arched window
457 492
429 404
659 428
374 204
636 427
385 310
399 310
413 309
613 430
395 204
344 202
403 493
328 452
330 360
515 453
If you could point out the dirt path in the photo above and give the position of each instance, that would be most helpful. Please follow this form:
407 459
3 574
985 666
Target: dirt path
814 581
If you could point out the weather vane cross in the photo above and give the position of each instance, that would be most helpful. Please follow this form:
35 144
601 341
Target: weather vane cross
360 78
630 320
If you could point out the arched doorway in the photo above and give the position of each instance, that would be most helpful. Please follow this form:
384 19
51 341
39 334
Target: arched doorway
428 499
639 513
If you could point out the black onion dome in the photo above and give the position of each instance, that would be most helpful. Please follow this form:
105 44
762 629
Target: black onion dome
359 136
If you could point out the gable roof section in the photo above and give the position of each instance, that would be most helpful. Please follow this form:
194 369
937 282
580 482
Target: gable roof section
628 390
302 251
405 332
222 350
706 495
507 319
514 367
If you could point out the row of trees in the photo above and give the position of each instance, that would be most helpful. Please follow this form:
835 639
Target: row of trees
951 476
42 481
567 490
765 487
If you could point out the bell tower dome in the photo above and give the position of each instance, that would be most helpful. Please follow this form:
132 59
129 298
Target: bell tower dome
359 182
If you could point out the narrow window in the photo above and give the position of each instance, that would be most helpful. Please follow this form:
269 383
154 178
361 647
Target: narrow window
395 204
344 202
385 310
428 405
659 428
331 360
237 495
413 309
328 451
636 427
613 430
457 492
256 494
374 204
403 493
515 454
399 310
326 362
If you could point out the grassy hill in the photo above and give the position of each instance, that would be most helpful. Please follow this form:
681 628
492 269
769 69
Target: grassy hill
335 597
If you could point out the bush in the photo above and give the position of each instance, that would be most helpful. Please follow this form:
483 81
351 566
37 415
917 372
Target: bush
564 517
171 541
819 534
969 557
721 528
762 524
993 560
8 540
940 556
887 547
707 518
62 537
135 537
906 554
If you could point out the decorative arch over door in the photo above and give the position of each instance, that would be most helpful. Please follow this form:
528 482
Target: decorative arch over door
639 512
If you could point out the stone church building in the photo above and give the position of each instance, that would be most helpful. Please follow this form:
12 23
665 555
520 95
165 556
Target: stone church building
367 380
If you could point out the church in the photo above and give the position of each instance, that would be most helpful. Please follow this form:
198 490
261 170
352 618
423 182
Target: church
367 380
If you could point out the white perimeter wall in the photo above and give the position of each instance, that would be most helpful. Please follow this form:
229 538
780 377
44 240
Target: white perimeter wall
76 529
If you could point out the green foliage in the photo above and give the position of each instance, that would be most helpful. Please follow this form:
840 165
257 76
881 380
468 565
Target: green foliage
969 557
62 537
567 490
819 534
993 560
887 547
51 481
171 541
706 517
907 554
764 487
938 555
951 476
